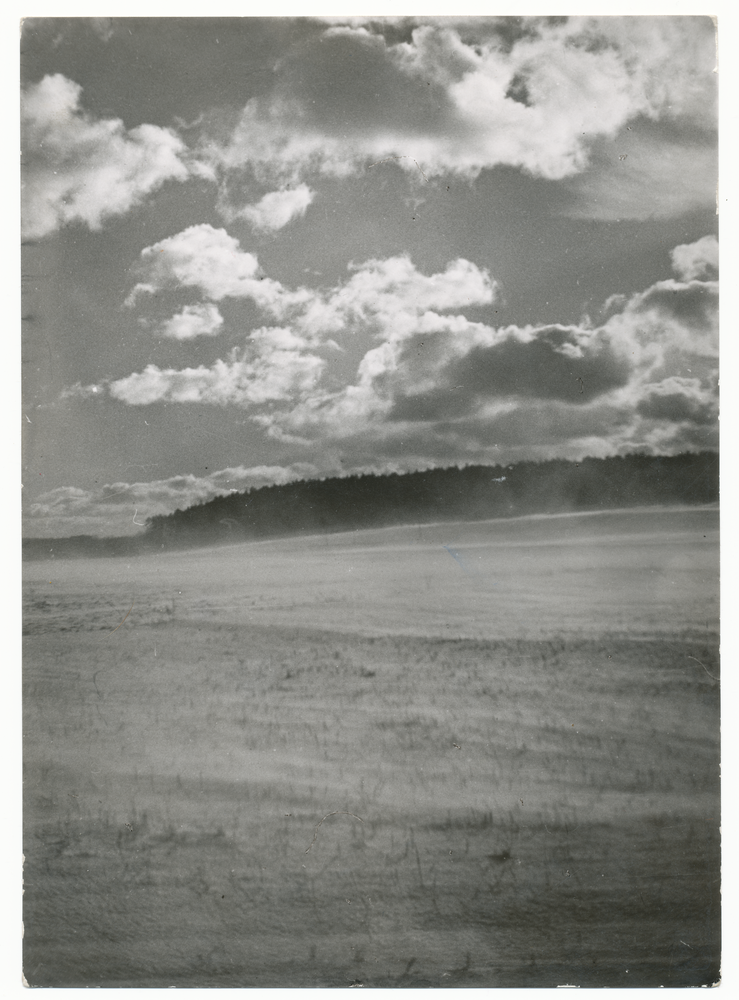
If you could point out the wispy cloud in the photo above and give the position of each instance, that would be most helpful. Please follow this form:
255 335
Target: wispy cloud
103 27
275 210
78 168
641 175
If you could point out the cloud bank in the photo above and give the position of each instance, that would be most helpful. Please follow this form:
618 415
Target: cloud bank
534 94
549 96
438 386
388 299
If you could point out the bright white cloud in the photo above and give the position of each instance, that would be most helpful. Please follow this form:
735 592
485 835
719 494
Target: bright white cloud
81 169
392 300
200 320
696 260
646 374
438 388
245 378
276 209
210 260
388 299
451 106
391 297
437 104
202 257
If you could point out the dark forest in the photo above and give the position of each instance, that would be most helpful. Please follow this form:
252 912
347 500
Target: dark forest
352 503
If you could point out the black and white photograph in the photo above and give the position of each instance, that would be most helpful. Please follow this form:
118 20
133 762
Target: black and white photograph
370 502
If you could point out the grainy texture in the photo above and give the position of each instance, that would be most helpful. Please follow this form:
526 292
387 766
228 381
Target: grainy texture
524 725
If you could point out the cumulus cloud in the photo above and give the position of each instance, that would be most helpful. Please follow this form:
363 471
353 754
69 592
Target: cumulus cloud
457 97
696 260
248 377
536 99
202 257
122 508
200 320
394 296
677 399
563 363
668 323
644 376
276 209
213 262
81 169
390 299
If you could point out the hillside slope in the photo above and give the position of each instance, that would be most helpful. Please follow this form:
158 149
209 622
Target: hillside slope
355 502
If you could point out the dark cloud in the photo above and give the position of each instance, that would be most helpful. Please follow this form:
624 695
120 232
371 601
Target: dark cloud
692 437
692 304
677 407
347 84
540 368
511 30
518 90
545 424
535 369
392 364
445 403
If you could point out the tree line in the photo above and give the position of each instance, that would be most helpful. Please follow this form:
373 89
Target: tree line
470 493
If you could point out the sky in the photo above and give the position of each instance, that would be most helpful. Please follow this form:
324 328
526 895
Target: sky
258 250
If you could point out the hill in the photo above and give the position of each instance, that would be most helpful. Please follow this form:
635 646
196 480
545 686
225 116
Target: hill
471 493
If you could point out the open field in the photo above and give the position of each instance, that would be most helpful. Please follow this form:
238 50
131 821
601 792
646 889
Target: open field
480 754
